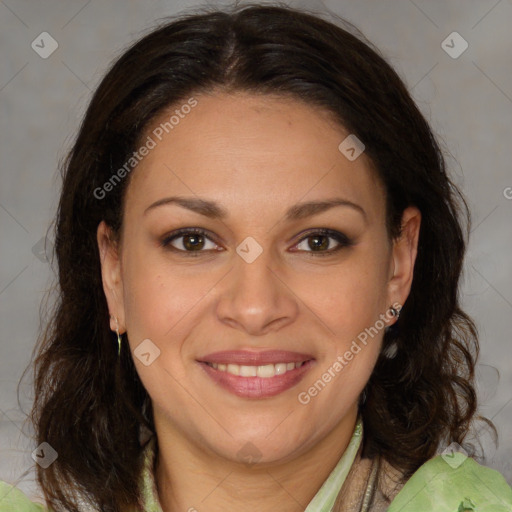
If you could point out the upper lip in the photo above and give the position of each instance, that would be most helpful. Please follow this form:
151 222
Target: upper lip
251 358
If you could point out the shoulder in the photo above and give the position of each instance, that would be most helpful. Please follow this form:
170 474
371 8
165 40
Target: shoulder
454 483
12 499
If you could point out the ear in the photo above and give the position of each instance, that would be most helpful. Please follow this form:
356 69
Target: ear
111 275
403 257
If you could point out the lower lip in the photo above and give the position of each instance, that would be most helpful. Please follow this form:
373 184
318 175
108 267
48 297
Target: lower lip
257 387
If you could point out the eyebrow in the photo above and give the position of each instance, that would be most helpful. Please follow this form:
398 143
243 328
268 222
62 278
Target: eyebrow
213 210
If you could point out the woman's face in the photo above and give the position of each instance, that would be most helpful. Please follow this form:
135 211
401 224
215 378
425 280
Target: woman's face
260 288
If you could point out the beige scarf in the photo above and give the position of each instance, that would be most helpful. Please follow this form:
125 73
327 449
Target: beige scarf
370 486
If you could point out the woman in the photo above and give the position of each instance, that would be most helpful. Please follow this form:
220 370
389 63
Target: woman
257 209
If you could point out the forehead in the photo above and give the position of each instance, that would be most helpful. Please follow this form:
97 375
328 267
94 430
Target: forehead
246 149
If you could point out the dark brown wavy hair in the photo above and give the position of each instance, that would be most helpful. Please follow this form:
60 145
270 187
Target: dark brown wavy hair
90 405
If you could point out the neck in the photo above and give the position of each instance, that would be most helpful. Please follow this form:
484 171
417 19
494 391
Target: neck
191 479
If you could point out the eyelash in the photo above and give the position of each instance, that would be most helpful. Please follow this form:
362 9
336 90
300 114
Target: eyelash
341 238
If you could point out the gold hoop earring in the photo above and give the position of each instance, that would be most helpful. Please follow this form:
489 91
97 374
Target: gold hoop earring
118 344
119 340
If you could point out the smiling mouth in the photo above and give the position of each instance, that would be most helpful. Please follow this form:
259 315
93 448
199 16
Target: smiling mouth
256 374
264 371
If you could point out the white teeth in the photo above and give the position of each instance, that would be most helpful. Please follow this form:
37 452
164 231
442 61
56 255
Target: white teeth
234 369
280 368
248 371
266 371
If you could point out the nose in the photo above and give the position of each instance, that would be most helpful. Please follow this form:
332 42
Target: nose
255 298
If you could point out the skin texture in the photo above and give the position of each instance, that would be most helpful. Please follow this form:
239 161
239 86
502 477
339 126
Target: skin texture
255 156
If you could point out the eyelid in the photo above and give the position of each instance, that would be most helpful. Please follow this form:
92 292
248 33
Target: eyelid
342 240
178 233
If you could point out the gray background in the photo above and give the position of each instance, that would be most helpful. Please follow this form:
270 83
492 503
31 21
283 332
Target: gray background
468 101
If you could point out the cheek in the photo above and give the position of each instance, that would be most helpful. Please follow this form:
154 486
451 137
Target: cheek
349 296
161 297
152 300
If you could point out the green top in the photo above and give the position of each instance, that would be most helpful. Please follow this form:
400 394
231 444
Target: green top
443 484
454 483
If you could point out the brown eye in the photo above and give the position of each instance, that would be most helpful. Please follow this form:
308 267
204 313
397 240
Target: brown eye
318 242
324 241
189 240
193 242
